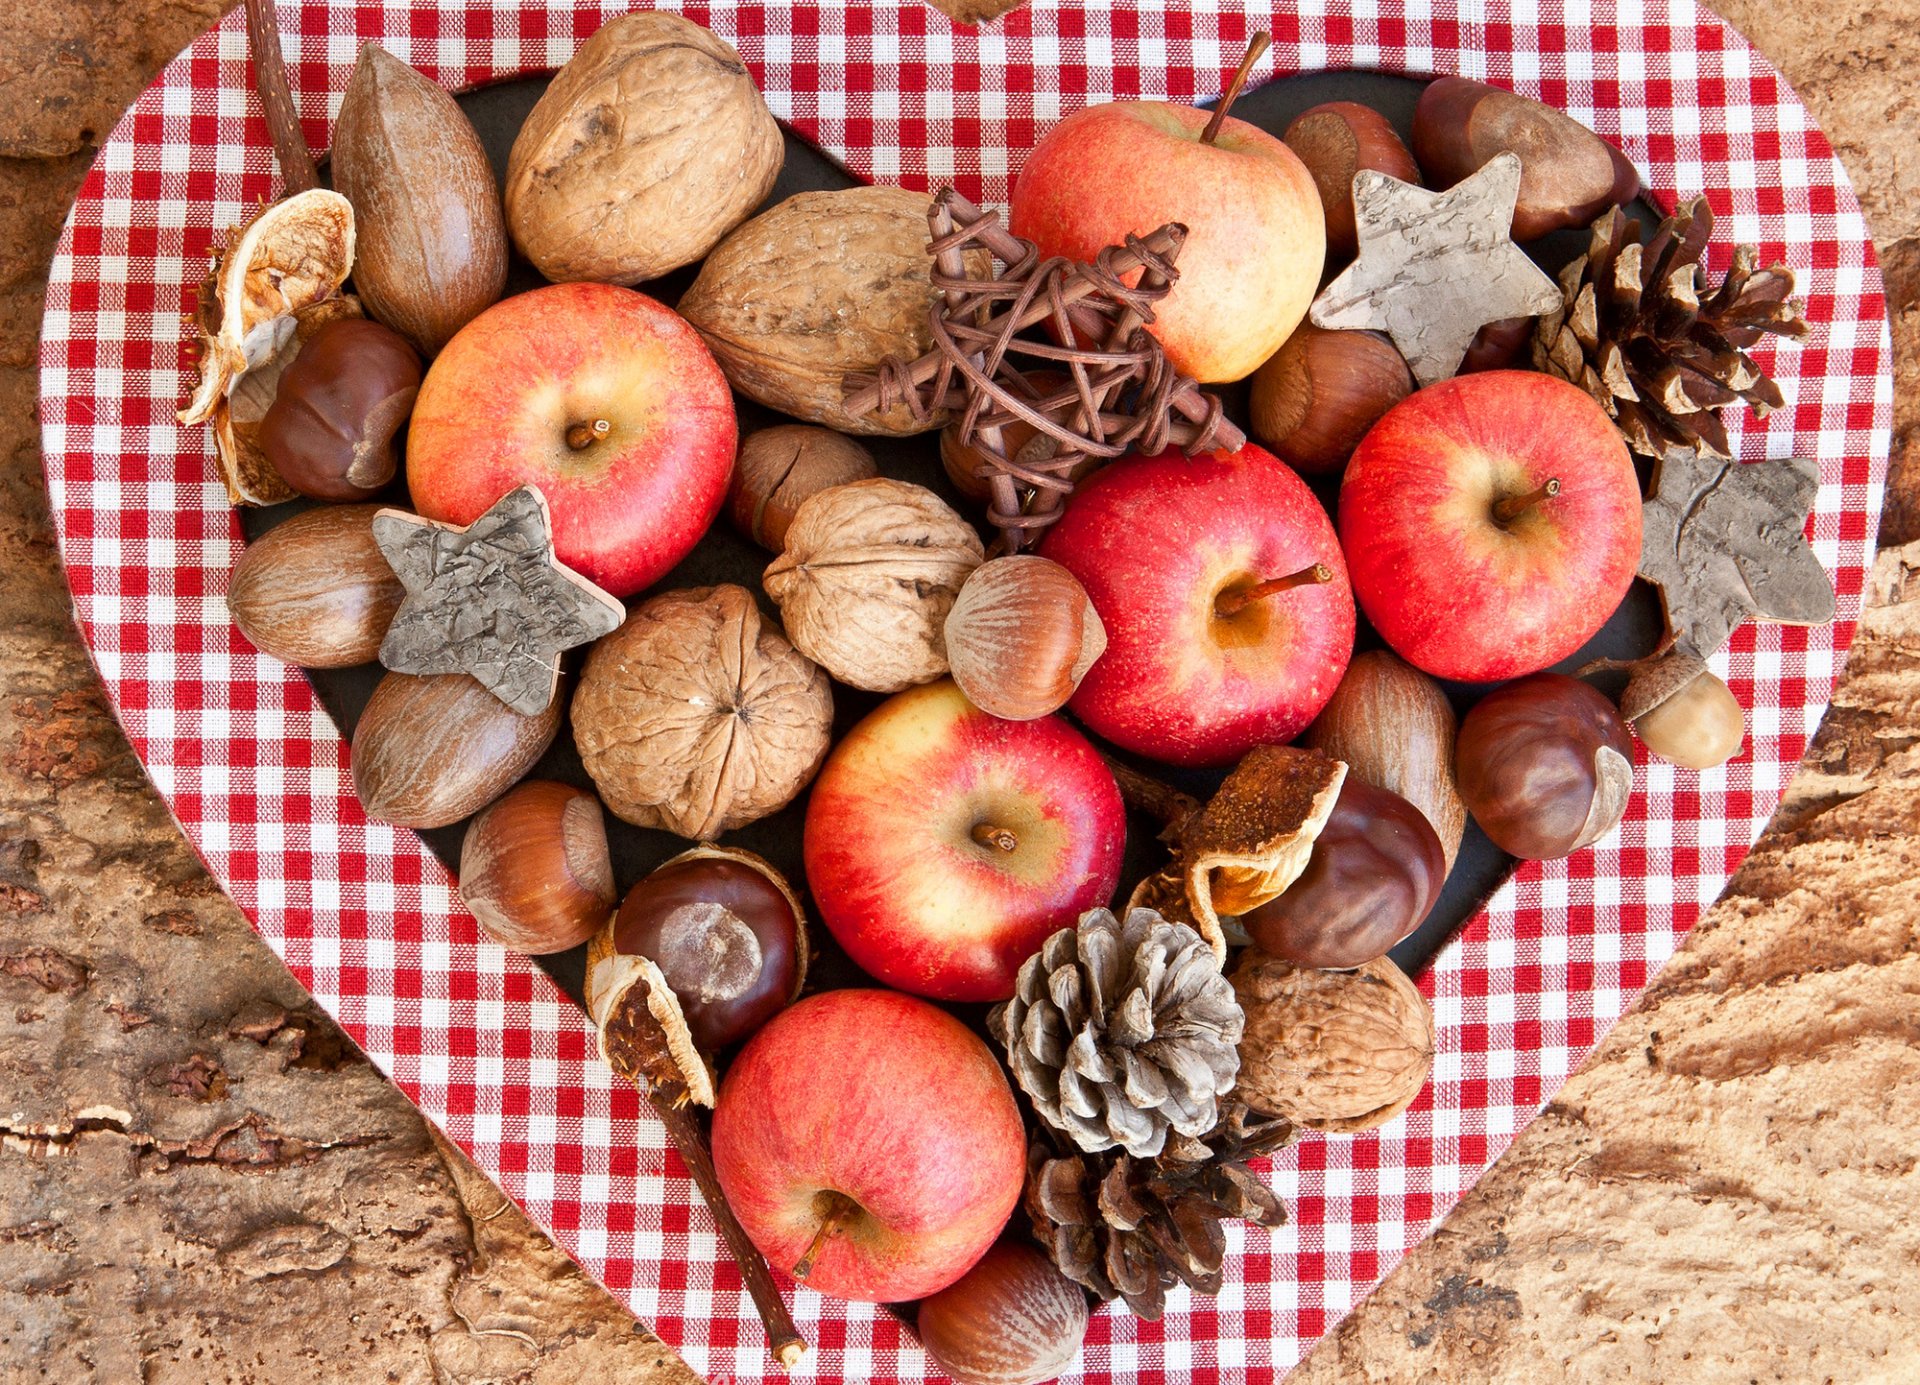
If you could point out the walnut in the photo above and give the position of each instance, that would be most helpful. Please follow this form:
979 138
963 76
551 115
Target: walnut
651 144
869 573
696 717
825 285
1337 1051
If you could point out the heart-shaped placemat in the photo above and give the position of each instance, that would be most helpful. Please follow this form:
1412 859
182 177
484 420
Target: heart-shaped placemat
482 1041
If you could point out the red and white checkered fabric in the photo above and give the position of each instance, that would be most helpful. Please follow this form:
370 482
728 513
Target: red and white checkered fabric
256 773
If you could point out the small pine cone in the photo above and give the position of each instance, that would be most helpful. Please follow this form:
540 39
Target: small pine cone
1660 350
1121 1033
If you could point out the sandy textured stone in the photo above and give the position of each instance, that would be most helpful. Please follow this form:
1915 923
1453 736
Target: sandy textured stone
201 1181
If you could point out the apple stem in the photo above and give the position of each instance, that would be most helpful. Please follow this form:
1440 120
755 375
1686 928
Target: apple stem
1256 48
838 1206
581 436
1508 510
1001 838
1232 603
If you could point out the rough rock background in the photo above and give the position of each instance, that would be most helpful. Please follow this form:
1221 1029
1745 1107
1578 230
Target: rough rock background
201 1180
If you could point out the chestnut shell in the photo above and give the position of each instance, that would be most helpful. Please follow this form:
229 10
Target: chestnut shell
693 918
330 432
1527 763
1377 868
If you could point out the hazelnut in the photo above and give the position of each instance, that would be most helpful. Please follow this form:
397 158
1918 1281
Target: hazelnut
780 467
727 934
1545 766
867 578
1021 636
1317 396
535 869
330 432
1335 1051
697 717
1337 140
1375 872
966 465
316 591
1013 1319
1683 712
430 750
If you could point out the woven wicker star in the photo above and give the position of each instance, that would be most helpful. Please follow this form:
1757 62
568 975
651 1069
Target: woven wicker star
490 600
1004 344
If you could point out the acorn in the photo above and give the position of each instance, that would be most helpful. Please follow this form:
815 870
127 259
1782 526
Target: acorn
1021 635
1683 711
1317 396
535 869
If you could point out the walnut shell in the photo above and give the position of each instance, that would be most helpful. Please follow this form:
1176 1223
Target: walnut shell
1336 1051
870 571
697 717
650 145
825 285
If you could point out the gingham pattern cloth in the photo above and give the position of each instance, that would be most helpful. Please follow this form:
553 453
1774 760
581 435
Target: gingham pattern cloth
257 774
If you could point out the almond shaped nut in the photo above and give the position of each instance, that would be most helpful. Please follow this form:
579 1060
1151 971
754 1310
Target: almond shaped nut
823 286
1021 636
432 749
650 145
1334 1051
535 869
432 239
780 468
867 578
315 591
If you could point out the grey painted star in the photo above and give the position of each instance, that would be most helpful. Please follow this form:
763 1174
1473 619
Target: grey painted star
490 600
1724 540
1435 267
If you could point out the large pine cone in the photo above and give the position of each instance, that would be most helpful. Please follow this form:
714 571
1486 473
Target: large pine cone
1131 1228
1120 1033
1660 350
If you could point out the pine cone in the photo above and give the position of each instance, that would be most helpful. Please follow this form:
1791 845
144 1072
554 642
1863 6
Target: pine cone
1129 1228
1120 1033
1642 333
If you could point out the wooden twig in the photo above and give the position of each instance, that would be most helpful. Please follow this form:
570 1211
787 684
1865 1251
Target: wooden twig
297 170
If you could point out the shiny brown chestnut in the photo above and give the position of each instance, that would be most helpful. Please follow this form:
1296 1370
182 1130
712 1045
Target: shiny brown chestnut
1545 765
727 933
330 433
1337 140
1376 870
1568 174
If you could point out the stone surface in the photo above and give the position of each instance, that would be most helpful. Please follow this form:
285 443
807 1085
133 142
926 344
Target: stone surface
202 1181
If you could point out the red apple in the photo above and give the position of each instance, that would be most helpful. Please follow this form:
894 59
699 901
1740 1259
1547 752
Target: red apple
603 398
1256 236
943 845
1492 523
1203 570
869 1143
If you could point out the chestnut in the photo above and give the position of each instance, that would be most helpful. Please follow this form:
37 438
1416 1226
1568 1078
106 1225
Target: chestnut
1336 141
727 934
535 870
1013 1319
1376 869
330 432
1317 396
1545 766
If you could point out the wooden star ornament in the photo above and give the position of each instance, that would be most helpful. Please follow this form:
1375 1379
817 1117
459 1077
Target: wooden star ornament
490 600
1436 267
1725 540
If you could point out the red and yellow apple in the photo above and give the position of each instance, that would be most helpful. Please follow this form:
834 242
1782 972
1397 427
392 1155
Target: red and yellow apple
1224 594
943 845
869 1143
1256 236
603 398
1492 523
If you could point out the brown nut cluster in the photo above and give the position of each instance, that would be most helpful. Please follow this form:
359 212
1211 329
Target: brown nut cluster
316 591
782 467
1545 765
340 405
1021 636
1335 1051
535 869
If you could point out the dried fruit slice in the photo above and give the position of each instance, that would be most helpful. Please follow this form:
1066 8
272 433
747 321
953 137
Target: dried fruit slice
643 1032
290 258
